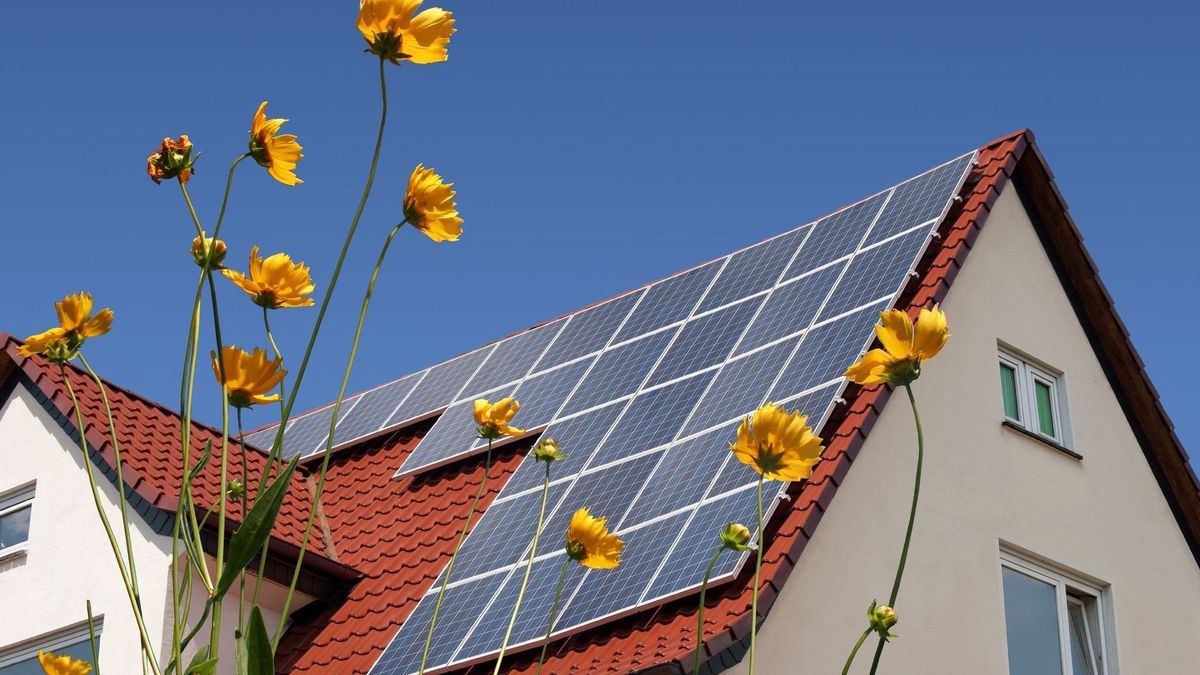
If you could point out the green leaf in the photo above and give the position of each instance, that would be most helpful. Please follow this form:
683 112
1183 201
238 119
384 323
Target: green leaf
255 529
260 660
200 463
201 664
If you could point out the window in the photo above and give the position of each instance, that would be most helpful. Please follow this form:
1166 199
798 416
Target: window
1034 398
1054 621
21 658
16 506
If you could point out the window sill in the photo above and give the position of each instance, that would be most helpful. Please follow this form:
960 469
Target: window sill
12 554
1009 424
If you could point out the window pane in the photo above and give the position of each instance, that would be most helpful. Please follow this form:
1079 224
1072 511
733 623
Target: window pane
30 666
14 527
1045 408
1031 620
1083 661
1008 388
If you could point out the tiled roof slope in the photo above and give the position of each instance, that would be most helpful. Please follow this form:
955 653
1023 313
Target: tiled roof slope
149 435
400 532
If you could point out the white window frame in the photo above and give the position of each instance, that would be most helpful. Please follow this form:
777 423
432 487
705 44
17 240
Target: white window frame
1070 588
53 641
11 501
1028 374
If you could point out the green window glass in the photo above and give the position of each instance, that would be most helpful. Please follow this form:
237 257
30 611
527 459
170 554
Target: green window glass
1008 388
1045 407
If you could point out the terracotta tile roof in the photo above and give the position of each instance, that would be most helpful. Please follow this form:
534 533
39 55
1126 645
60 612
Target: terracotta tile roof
149 435
400 533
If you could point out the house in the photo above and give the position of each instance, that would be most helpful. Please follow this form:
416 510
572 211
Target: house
1059 527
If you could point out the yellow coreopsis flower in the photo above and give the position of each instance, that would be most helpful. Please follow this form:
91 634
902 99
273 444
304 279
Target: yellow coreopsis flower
277 153
429 205
62 665
173 159
590 544
76 324
493 418
275 281
777 444
905 347
392 32
208 252
248 376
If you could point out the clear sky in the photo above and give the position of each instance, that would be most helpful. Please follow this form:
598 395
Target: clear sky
596 147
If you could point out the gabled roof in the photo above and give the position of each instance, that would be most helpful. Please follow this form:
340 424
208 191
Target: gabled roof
149 435
400 532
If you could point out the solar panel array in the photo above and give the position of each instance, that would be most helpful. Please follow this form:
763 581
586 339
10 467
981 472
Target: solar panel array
644 393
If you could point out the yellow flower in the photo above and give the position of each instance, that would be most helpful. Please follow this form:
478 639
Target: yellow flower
276 152
905 346
493 418
76 324
173 159
429 205
590 544
275 282
777 444
62 665
735 536
208 252
248 377
392 32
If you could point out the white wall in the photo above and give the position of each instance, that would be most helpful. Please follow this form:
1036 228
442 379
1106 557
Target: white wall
69 561
1104 516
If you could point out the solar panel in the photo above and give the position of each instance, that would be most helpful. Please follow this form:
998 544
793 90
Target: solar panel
670 370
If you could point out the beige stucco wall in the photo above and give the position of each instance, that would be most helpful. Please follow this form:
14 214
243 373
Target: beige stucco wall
69 561
1104 516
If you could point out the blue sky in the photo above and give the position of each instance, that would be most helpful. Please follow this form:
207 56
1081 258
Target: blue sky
596 146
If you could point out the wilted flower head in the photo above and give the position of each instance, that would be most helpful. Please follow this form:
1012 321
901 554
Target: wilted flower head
275 282
905 347
277 153
547 451
208 252
493 418
62 665
881 618
173 159
392 32
590 544
76 324
735 537
248 376
429 205
777 444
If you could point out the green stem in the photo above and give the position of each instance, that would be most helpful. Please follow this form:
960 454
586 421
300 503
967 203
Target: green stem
275 458
92 640
147 648
562 576
191 210
528 569
912 517
487 467
225 199
329 439
221 498
758 555
245 510
700 613
854 652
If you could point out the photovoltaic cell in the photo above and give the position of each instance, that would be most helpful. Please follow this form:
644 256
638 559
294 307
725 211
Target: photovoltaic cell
512 358
542 395
589 331
374 408
305 432
753 270
440 387
669 301
705 341
453 435
655 459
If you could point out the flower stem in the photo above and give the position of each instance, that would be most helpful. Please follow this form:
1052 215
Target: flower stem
437 605
245 510
225 199
758 555
92 640
912 517
854 652
221 498
147 646
700 613
329 439
191 209
562 576
528 568
275 458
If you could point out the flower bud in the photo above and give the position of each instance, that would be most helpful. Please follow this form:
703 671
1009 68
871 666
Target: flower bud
236 489
208 252
173 159
735 537
882 618
547 451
